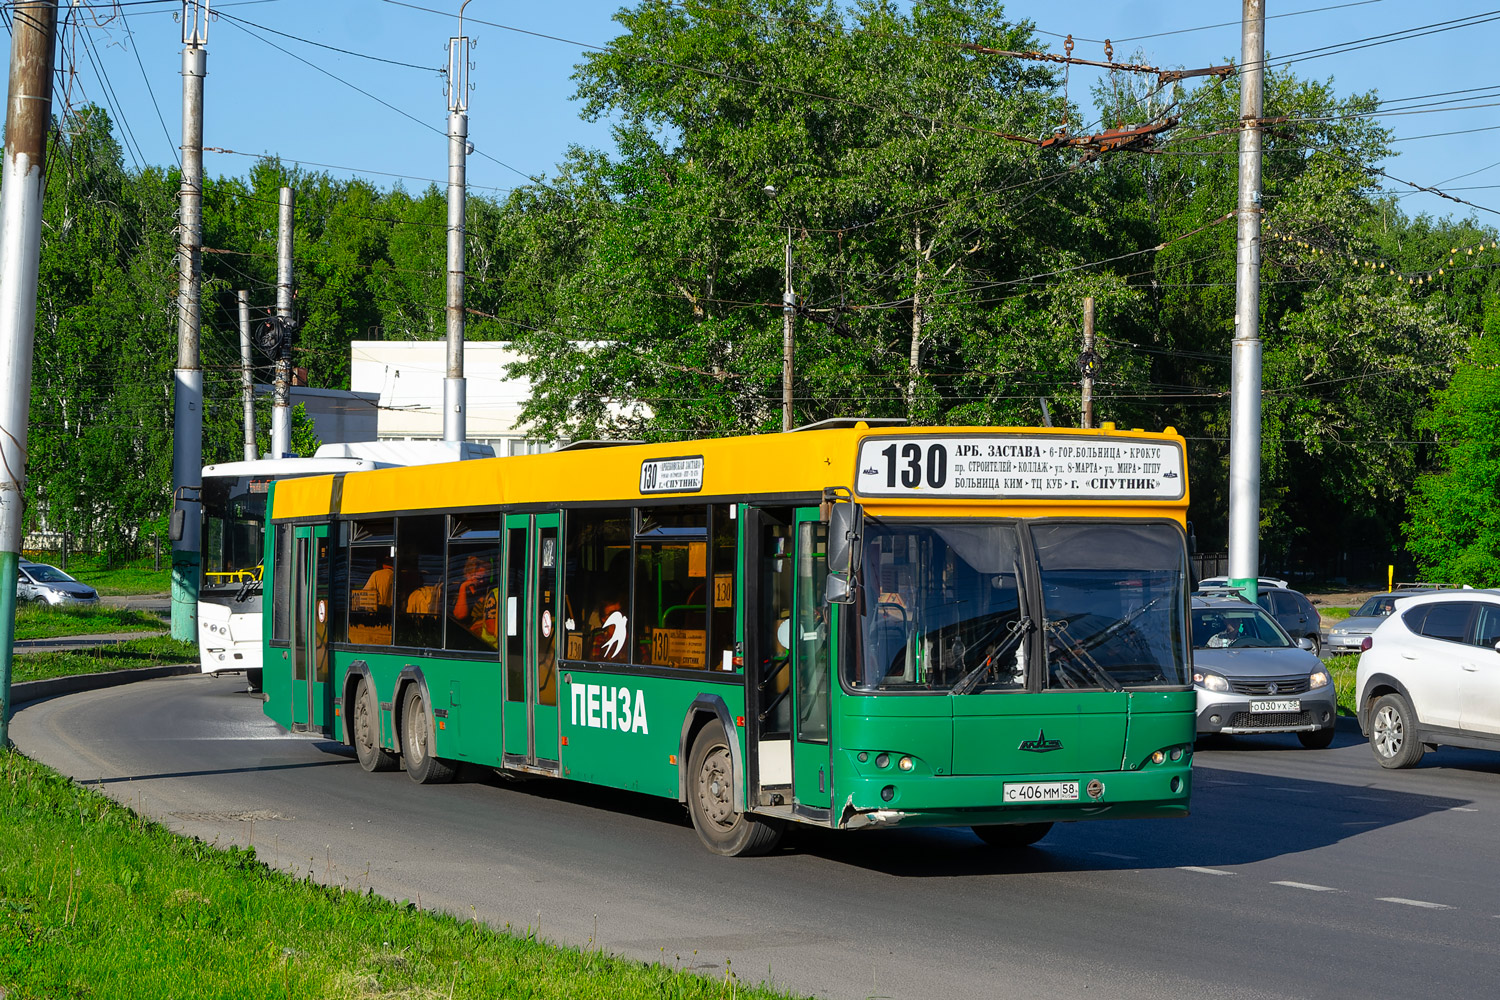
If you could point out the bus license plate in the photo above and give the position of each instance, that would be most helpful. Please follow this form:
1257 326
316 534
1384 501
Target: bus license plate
1040 791
1275 706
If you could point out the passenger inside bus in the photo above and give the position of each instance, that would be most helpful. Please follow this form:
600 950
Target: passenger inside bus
477 602
381 582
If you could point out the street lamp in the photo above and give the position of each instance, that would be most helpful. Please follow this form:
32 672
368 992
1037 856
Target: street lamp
788 310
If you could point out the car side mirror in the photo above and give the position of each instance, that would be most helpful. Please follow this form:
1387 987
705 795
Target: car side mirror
1306 643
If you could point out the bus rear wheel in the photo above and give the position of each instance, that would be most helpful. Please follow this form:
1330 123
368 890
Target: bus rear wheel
710 795
417 742
365 727
1012 834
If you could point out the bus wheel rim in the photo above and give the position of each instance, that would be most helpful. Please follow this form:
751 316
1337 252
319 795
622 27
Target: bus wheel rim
714 794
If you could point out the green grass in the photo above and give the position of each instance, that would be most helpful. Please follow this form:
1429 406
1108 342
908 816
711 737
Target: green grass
1342 668
151 652
36 620
1333 614
97 902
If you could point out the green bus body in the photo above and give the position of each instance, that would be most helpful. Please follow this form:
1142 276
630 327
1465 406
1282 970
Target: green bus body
890 743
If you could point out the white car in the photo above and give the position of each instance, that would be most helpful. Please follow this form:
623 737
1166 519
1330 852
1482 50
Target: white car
1431 676
40 582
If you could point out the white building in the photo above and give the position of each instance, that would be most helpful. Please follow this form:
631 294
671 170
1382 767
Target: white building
407 380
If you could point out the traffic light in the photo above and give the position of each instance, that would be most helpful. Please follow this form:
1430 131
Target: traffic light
275 335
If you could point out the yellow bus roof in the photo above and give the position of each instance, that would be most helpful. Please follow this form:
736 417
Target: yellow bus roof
800 464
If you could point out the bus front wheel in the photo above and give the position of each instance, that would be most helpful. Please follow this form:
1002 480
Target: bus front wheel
1012 834
366 732
417 742
710 795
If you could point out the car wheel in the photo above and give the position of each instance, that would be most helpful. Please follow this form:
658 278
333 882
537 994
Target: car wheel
1393 732
1012 835
1317 641
710 795
1318 739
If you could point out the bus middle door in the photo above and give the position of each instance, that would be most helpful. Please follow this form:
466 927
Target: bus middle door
531 720
311 701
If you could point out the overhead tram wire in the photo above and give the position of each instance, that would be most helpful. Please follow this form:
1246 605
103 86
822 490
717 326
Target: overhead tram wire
1204 27
146 78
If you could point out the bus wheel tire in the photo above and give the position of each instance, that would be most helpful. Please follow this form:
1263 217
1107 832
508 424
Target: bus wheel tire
417 741
1012 834
253 678
365 732
710 795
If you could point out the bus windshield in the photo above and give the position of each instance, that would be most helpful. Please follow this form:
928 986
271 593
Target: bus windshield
234 518
951 606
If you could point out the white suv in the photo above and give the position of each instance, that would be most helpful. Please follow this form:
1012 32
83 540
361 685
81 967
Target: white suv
1430 676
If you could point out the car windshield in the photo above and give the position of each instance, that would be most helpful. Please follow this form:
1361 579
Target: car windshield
1376 607
48 574
1239 628
949 606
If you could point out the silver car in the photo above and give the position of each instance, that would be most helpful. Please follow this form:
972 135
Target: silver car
1251 677
40 582
1349 635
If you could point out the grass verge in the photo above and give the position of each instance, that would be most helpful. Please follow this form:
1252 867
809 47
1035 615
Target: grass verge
152 652
1342 667
35 620
1334 614
96 901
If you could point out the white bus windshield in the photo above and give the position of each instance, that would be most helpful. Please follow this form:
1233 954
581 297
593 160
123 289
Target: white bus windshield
234 520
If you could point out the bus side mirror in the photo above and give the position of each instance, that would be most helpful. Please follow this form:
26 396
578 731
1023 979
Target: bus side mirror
845 525
178 524
836 589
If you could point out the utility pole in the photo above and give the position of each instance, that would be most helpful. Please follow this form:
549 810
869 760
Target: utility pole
28 113
454 387
788 310
187 417
1245 353
281 393
247 379
1087 361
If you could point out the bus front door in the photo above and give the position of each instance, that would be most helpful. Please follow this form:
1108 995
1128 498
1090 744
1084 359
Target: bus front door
531 721
311 704
789 648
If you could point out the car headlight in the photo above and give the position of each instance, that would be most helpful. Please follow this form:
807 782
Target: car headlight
1317 679
1337 631
1210 682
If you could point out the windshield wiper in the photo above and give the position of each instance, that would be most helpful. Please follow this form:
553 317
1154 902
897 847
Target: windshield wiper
968 681
1076 652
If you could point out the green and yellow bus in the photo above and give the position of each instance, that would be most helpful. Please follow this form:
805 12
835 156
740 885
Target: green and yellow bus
849 626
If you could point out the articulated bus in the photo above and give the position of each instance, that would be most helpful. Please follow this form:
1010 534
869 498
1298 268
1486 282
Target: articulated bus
232 537
851 627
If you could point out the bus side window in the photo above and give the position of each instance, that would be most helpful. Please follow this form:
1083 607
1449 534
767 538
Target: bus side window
281 609
420 566
372 579
672 594
723 566
596 587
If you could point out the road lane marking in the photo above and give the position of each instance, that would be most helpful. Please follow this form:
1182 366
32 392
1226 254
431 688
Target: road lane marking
1369 798
1308 886
1121 857
1299 791
1462 809
1414 902
1203 871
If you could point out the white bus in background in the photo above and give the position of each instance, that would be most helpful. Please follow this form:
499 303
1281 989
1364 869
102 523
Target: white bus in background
233 533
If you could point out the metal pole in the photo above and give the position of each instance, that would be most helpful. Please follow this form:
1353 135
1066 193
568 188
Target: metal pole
281 402
788 310
454 386
187 416
247 379
1245 354
1088 356
28 112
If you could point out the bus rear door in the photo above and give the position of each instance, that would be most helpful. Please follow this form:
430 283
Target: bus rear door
531 720
311 708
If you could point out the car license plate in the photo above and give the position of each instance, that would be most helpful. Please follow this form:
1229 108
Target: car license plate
1040 791
1275 706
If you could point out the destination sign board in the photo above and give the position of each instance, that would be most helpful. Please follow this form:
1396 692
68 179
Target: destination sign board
672 475
1019 467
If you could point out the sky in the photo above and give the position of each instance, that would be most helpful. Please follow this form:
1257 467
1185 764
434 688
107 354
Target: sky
277 83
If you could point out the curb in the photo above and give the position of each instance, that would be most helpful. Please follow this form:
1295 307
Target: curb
25 691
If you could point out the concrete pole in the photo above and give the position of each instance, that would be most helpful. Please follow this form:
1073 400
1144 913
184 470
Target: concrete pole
1088 355
455 389
28 113
788 310
454 385
1245 353
247 378
187 415
281 401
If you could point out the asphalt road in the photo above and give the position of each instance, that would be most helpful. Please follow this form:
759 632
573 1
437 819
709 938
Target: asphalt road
1299 874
